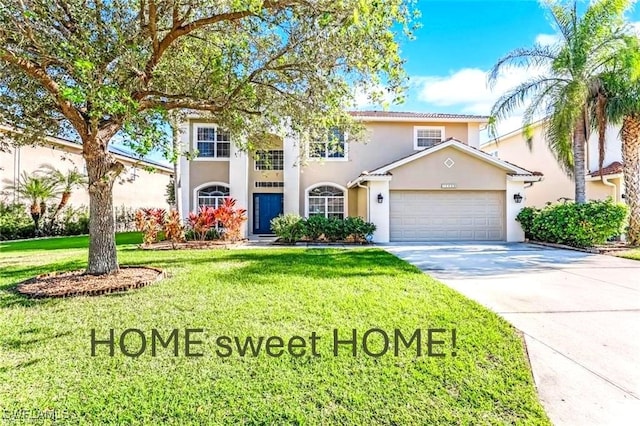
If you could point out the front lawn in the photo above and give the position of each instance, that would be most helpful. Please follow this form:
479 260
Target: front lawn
46 362
631 254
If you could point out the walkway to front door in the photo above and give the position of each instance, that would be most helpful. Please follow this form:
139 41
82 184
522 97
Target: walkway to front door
265 208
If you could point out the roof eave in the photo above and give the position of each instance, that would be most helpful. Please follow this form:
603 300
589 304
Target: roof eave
606 176
369 118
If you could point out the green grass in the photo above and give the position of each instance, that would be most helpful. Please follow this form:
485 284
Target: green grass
45 360
631 254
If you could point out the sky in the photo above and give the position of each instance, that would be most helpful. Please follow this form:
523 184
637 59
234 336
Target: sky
459 42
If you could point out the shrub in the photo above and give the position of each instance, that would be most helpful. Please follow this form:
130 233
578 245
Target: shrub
526 218
288 227
356 228
231 218
200 223
15 222
150 222
335 230
578 225
315 227
74 221
173 228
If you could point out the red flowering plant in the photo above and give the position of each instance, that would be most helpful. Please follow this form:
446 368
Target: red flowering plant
200 223
231 218
150 222
173 228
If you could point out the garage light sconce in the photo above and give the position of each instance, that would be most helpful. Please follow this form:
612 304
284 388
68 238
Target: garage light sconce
380 198
517 198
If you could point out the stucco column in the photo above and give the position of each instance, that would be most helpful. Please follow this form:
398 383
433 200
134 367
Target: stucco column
291 175
514 230
239 181
473 135
379 212
183 171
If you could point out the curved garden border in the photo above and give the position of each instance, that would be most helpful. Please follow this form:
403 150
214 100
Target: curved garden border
44 286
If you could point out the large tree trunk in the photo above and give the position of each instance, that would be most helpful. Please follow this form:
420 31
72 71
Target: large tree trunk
579 170
631 171
102 171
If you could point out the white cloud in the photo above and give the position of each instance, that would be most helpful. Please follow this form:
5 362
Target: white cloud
467 91
547 39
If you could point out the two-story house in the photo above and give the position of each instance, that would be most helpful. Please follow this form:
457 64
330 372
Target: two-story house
418 177
557 185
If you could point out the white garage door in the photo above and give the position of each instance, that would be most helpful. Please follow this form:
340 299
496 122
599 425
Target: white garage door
447 215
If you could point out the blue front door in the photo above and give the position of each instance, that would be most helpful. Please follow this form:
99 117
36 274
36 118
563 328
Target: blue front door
265 208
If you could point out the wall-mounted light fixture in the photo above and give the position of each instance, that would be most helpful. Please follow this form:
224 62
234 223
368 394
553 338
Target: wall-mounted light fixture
517 198
380 198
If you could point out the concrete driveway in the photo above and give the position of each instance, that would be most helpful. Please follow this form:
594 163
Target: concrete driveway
579 312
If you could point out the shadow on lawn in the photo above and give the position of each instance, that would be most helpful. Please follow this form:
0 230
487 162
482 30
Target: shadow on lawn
262 265
9 297
312 263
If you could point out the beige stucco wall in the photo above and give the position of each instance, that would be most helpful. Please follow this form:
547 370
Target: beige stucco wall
430 172
385 143
556 184
202 172
362 207
146 190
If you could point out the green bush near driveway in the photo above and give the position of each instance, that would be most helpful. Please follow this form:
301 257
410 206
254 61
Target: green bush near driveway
578 225
46 364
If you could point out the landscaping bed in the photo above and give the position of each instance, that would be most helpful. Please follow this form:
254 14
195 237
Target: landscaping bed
192 245
77 283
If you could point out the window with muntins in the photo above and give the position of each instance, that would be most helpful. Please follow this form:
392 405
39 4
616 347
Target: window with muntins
270 159
426 137
212 196
327 201
333 147
213 143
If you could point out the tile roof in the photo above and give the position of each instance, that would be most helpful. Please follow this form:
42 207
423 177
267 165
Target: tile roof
612 169
407 114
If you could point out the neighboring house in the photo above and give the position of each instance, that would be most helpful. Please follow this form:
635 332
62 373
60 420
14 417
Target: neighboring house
136 187
557 185
420 176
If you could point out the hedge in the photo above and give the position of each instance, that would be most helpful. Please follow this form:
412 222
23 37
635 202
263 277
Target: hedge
291 228
577 225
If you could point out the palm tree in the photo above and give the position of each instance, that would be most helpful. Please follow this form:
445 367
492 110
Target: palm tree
38 190
570 71
618 101
64 182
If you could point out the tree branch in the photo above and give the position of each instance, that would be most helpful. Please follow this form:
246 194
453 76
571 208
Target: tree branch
50 85
185 29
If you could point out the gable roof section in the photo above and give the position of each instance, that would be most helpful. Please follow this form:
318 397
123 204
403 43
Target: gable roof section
614 168
377 115
512 169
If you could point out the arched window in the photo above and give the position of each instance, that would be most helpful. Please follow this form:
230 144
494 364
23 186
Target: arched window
212 196
327 201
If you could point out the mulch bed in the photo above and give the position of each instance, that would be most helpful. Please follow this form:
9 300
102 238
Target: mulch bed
190 245
77 283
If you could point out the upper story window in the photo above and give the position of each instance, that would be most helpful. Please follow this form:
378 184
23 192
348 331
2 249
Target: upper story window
212 142
427 136
272 159
334 147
